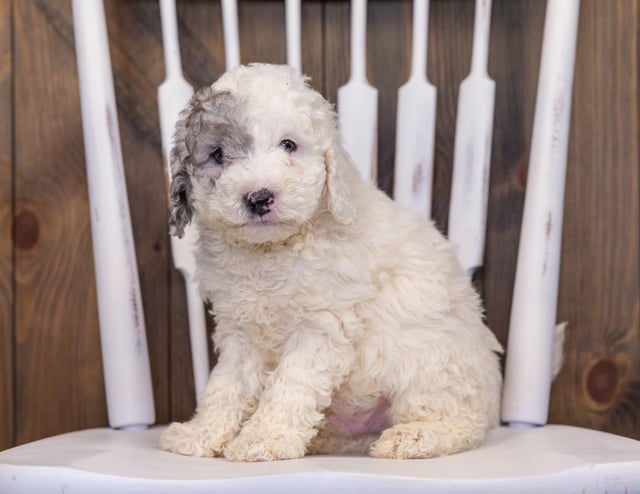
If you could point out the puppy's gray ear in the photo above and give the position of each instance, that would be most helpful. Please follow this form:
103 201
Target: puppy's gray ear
191 121
188 126
180 209
340 177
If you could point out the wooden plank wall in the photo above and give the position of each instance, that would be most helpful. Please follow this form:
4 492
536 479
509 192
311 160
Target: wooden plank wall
50 370
6 221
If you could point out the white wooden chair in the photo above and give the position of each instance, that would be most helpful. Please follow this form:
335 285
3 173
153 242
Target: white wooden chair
523 456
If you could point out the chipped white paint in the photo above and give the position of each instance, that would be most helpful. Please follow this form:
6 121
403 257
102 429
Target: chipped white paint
122 331
231 36
173 95
358 100
292 13
416 120
472 150
533 314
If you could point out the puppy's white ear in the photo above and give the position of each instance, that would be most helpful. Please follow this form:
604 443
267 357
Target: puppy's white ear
340 177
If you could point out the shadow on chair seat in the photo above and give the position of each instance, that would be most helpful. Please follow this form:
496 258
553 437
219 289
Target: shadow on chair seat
545 459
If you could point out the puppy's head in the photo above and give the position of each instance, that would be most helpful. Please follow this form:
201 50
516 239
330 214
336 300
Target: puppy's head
258 154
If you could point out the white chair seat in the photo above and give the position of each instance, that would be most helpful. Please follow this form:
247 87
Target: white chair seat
544 459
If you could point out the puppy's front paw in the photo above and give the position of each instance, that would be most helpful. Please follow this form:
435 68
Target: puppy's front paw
265 446
187 439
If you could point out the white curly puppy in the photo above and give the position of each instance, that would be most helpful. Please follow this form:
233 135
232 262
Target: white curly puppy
344 322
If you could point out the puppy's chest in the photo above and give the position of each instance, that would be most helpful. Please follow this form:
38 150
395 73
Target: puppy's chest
270 296
265 290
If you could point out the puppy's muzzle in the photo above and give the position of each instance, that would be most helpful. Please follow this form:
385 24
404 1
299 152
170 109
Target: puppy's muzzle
259 203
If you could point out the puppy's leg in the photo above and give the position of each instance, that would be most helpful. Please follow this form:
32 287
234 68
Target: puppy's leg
295 394
426 425
427 439
230 396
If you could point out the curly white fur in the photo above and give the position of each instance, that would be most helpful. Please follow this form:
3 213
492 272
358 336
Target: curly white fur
344 322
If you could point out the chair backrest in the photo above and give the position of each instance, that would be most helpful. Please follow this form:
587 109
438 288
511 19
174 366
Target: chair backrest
528 370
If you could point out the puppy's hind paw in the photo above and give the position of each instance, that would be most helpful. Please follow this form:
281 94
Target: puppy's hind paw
185 439
424 440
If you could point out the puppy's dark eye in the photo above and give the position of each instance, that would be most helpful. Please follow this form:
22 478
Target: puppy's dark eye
288 145
217 156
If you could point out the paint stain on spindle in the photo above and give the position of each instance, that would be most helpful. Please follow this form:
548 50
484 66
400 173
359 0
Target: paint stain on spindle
557 111
136 319
602 381
547 238
549 225
417 178
114 141
26 230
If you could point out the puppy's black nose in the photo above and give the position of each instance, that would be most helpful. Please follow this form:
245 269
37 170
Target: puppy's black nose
259 203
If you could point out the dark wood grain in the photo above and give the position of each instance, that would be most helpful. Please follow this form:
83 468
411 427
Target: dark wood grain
312 40
262 31
201 41
6 222
388 37
449 61
58 368
516 38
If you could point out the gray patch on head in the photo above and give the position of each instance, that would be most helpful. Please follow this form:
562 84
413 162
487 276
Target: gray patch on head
214 120
211 120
